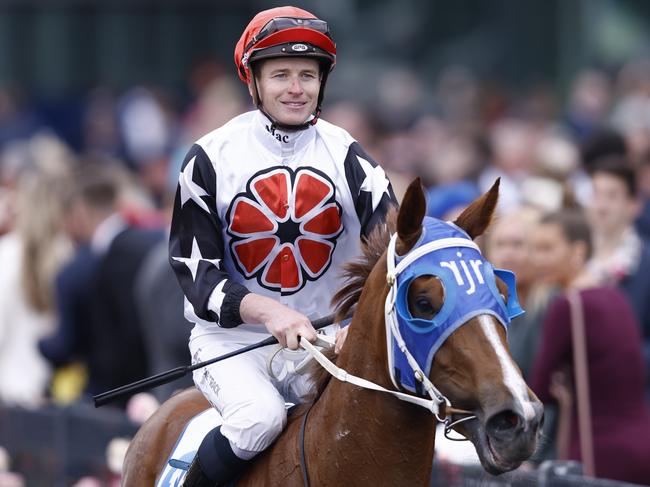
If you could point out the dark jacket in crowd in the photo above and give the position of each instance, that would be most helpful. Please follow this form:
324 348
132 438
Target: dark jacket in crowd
100 324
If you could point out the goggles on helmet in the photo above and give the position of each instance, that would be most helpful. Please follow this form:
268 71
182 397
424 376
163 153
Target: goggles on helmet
282 23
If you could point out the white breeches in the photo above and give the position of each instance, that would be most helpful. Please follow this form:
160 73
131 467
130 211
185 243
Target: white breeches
251 402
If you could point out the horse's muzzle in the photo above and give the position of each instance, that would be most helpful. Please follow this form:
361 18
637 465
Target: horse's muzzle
505 438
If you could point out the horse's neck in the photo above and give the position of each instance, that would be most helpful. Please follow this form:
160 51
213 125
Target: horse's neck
369 429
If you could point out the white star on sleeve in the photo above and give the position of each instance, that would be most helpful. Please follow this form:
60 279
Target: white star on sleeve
189 189
192 262
375 183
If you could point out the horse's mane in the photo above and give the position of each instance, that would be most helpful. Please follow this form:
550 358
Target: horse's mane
355 275
356 272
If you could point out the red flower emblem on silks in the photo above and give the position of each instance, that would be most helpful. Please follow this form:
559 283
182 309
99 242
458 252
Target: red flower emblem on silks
283 228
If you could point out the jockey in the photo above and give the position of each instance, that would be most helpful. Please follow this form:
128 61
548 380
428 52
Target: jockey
268 208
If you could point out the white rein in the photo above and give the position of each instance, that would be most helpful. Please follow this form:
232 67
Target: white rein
342 375
392 330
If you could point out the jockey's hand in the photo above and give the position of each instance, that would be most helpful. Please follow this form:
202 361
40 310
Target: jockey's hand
282 322
287 324
339 340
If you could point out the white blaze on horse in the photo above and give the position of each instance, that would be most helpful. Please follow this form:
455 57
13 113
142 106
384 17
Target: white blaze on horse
430 320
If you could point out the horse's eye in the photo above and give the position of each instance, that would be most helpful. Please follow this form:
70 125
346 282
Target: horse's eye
503 296
424 307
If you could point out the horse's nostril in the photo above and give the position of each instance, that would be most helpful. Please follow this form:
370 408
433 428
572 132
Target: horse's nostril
504 424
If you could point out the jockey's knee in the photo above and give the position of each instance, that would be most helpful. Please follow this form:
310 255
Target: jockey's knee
256 424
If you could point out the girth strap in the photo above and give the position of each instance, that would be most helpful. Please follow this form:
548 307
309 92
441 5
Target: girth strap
301 445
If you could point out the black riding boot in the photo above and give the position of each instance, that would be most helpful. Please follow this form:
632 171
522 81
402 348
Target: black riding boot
215 464
195 476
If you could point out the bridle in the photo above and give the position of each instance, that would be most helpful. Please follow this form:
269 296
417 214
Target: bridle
438 404
392 328
433 405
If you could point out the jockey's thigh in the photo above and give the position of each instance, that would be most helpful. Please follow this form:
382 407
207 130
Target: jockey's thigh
294 387
297 387
241 390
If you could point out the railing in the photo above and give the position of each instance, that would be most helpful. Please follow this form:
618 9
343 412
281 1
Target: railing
549 474
54 447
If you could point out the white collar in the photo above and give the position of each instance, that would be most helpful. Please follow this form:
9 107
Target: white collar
282 143
106 232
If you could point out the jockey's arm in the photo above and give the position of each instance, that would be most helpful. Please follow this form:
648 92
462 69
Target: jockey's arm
282 322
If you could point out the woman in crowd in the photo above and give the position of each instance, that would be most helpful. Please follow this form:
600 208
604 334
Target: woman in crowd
508 247
620 417
30 256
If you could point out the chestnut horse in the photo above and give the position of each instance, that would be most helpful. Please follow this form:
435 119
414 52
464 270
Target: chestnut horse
356 436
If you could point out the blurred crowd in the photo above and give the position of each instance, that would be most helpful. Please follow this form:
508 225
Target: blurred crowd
89 301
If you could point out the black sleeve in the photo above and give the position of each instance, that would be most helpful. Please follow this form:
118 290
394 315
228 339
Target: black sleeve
196 246
61 347
370 188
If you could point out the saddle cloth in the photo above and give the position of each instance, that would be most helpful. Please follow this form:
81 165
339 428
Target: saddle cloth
188 444
186 447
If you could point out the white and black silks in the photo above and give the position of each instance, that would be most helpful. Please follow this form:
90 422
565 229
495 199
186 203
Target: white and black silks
272 212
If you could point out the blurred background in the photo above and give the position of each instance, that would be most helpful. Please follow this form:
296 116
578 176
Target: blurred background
458 92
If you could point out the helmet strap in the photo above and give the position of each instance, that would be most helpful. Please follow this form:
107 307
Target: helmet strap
253 89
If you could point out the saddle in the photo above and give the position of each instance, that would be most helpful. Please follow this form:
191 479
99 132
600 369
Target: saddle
186 447
188 444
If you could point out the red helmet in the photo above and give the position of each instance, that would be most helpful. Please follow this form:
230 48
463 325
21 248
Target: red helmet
284 31
280 32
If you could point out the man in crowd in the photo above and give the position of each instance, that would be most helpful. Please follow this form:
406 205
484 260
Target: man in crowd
621 256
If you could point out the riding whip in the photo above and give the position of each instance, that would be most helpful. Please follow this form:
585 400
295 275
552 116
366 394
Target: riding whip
178 372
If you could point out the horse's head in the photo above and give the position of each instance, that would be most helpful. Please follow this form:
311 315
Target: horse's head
453 310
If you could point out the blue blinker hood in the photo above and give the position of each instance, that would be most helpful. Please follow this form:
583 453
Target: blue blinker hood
470 290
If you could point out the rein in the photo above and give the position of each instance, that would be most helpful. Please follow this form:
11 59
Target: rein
432 405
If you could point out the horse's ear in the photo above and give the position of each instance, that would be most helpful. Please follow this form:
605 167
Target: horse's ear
410 216
477 216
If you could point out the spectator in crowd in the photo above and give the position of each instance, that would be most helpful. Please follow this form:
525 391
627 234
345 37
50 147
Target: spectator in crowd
599 145
159 300
512 160
621 257
98 320
147 127
18 120
589 101
558 179
631 112
508 246
447 201
8 478
166 331
643 178
30 257
619 412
